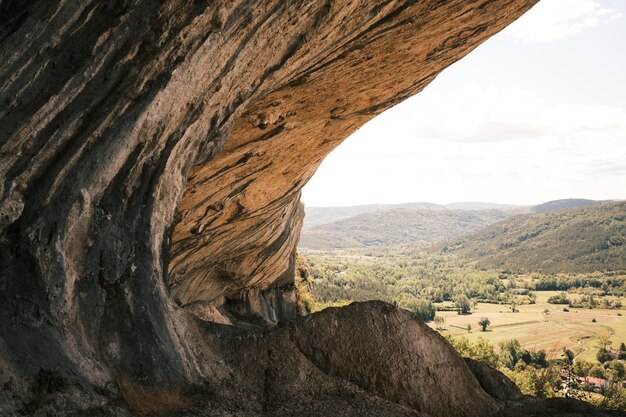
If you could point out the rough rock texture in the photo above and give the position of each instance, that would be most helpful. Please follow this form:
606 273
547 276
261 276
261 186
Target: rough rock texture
239 218
151 158
295 383
395 355
557 407
494 382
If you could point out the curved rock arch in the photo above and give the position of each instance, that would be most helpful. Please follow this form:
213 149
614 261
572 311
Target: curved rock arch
152 155
238 220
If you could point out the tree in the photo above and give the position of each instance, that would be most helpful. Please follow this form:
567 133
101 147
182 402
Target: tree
423 309
604 341
616 369
538 358
613 398
622 351
480 350
597 372
462 303
440 322
604 355
510 353
536 382
484 323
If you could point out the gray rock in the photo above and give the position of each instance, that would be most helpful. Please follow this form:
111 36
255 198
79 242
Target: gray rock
494 382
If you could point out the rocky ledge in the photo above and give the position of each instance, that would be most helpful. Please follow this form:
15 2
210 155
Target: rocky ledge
366 359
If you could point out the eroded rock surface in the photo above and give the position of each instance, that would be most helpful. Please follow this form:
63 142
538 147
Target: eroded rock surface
494 382
152 155
239 218
393 354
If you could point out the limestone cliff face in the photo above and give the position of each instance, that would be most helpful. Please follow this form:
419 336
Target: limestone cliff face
152 154
238 220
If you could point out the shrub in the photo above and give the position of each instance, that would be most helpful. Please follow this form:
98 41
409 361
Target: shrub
424 309
462 303
559 299
50 381
484 323
481 350
46 382
597 372
604 355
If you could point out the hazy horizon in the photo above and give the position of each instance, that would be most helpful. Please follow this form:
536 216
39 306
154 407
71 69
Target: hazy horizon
537 113
467 202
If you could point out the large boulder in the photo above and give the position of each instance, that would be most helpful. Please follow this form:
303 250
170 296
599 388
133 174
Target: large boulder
494 382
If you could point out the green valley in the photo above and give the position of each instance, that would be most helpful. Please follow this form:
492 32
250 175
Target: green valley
551 283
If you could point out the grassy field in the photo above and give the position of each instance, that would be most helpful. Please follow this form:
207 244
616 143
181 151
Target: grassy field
537 329
400 274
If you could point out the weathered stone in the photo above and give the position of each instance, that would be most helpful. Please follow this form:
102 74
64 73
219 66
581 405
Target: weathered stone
393 354
152 155
494 382
353 61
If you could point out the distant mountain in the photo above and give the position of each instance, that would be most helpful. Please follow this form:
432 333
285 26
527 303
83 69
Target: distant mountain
398 226
564 204
315 216
478 205
578 240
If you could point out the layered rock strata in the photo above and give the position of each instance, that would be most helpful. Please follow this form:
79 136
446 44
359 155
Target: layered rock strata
152 155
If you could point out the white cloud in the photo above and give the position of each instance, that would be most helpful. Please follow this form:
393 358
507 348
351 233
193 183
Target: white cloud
498 114
552 138
557 19
492 144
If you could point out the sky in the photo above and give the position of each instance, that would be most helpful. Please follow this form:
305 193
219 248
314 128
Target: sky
536 113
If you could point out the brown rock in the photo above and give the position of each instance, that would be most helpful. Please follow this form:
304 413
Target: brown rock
392 353
152 155
494 382
354 61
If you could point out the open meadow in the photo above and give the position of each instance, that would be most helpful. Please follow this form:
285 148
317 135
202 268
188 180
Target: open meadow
541 326
401 276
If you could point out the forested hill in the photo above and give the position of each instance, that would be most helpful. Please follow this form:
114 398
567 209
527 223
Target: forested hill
398 226
564 204
316 216
583 239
